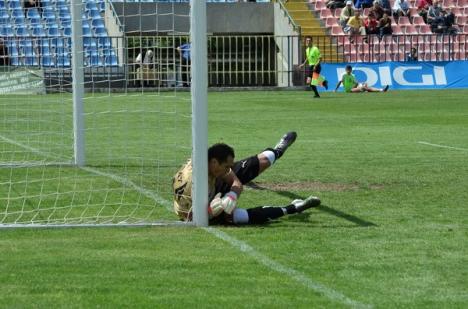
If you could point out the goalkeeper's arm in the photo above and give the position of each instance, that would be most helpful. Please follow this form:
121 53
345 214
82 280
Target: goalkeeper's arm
236 184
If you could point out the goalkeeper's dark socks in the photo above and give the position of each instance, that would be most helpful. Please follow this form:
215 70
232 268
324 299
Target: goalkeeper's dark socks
259 215
290 209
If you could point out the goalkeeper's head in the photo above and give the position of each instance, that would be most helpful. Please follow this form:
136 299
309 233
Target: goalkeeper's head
220 159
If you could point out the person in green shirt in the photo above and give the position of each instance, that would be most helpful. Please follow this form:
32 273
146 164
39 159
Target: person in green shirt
350 84
313 67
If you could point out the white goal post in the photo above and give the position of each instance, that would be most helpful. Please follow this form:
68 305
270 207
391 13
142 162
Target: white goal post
199 111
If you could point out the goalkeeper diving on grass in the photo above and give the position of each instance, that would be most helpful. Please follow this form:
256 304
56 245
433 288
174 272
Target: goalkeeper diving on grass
225 184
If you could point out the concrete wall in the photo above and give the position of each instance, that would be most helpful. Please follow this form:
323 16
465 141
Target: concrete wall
222 18
287 43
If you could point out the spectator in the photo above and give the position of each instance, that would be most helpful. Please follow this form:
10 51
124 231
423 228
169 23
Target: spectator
346 14
433 12
333 4
356 26
386 6
449 22
143 65
147 60
185 60
401 8
385 26
376 10
438 23
371 24
362 4
412 55
423 7
27 4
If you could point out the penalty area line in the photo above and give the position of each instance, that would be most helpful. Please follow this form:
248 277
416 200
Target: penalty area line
234 242
442 146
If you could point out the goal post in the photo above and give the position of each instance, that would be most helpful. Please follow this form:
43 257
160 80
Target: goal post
199 88
76 7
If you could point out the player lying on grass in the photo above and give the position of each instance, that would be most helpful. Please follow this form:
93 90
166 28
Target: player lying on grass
350 83
225 182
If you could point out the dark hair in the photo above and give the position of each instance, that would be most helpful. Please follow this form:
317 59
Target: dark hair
220 152
348 67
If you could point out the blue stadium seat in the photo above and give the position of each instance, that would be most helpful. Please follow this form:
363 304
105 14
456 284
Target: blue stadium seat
98 23
87 41
12 48
38 31
7 31
14 4
4 14
86 31
63 61
33 13
95 61
111 60
22 31
100 32
47 61
104 42
30 61
44 48
53 31
57 42
17 13
107 51
48 13
67 31
102 6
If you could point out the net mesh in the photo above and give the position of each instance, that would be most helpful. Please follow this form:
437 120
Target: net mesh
137 114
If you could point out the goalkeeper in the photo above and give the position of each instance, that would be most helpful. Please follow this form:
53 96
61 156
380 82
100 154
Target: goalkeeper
225 184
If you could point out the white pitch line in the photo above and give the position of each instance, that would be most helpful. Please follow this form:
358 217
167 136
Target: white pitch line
442 146
234 242
290 272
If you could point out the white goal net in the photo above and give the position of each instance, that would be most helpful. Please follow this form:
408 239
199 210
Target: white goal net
129 131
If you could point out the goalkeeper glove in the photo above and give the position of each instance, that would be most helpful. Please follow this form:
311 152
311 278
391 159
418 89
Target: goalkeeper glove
216 206
229 202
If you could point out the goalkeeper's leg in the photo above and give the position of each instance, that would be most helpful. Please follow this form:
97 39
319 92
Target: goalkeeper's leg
260 215
248 169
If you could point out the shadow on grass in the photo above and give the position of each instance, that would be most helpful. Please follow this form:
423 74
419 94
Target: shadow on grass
305 216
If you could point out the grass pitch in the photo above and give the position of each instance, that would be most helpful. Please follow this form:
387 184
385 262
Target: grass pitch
391 170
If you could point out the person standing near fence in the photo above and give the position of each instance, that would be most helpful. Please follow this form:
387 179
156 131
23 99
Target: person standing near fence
185 57
313 67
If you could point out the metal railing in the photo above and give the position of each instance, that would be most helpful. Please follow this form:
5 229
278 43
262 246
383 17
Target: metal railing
233 60
267 60
283 8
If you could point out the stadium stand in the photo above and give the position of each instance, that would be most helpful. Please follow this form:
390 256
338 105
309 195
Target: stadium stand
44 39
316 19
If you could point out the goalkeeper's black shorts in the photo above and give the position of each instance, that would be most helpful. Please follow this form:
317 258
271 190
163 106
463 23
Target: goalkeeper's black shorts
246 170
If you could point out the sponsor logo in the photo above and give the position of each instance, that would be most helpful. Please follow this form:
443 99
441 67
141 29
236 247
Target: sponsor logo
400 75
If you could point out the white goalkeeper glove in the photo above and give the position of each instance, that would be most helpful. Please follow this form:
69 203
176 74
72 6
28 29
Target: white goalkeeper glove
229 202
216 206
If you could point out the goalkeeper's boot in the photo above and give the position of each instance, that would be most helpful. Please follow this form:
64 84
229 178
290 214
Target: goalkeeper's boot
287 140
301 205
385 88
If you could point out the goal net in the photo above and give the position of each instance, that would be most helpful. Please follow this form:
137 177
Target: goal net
95 111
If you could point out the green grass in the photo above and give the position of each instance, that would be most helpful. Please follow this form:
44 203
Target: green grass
392 231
